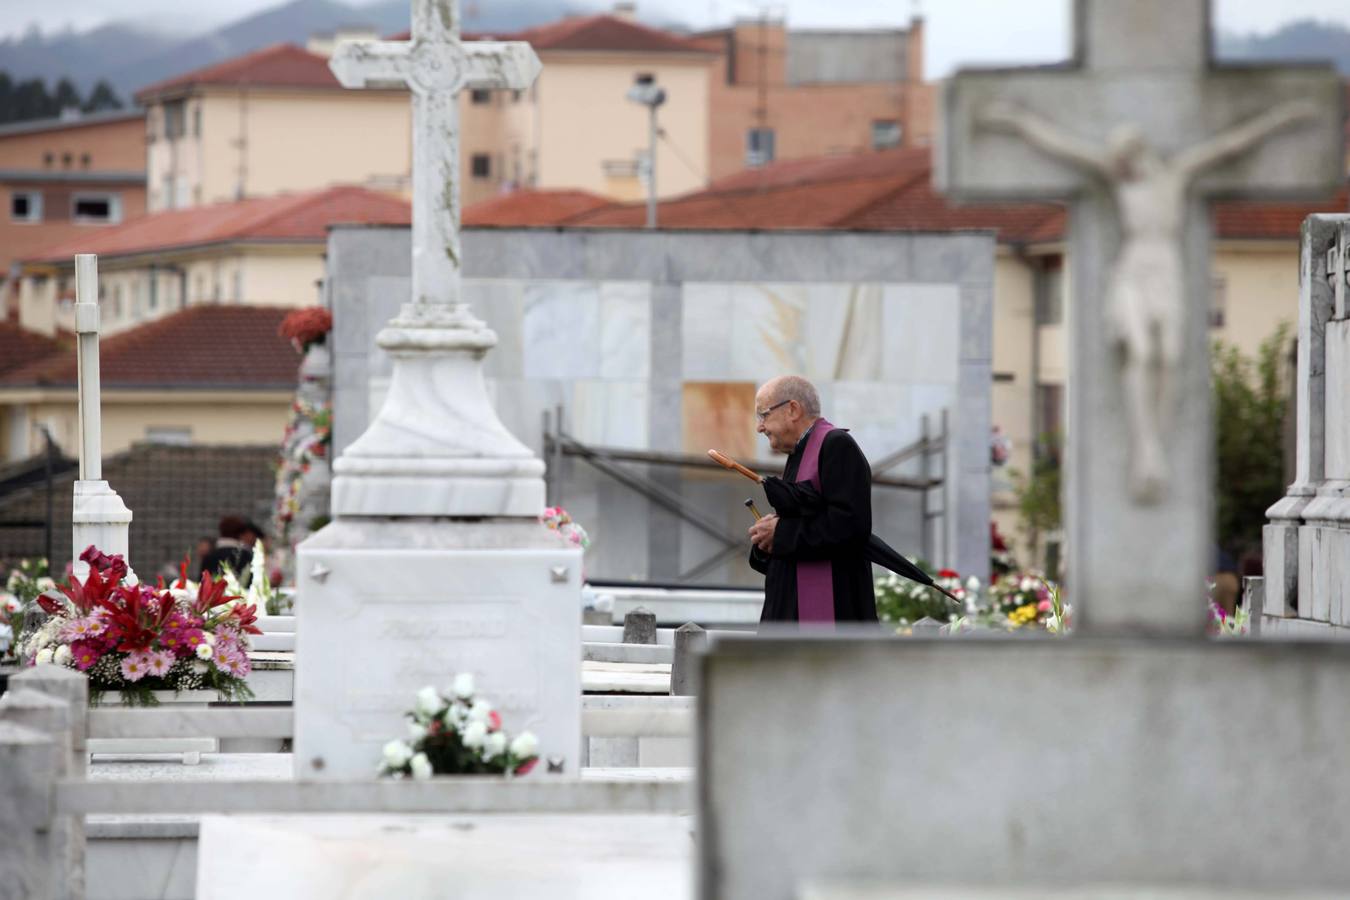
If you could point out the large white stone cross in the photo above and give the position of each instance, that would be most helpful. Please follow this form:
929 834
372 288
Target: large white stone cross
1137 133
436 447
435 66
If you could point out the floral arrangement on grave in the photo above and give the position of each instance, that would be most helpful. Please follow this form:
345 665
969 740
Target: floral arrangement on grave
254 585
1000 447
1001 560
555 518
457 733
1223 624
136 639
18 600
306 327
1012 602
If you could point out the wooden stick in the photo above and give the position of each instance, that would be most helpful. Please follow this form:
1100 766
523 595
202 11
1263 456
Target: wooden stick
750 505
727 462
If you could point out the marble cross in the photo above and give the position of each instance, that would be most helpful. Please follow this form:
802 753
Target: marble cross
435 66
1137 133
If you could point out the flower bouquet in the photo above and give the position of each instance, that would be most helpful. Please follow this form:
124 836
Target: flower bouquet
306 327
456 733
555 518
135 639
17 601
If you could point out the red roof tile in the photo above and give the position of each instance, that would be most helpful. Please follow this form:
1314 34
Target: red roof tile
597 32
201 347
540 207
889 190
287 217
20 347
280 65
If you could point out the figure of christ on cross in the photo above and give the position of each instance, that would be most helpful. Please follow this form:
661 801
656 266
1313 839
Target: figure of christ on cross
1145 305
1145 292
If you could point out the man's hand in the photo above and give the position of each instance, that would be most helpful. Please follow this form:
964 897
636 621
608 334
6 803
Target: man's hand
761 533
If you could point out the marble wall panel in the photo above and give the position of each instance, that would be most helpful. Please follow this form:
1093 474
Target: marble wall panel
719 415
562 329
706 331
921 325
768 330
609 413
878 415
625 329
843 332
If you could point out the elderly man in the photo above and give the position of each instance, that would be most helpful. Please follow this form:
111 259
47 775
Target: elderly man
811 551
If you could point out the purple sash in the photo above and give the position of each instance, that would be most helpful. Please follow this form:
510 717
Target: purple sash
815 580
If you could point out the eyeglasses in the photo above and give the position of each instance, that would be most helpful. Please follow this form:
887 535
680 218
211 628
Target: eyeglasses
761 416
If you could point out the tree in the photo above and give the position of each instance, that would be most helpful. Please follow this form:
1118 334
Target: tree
1038 495
101 98
67 96
1250 405
31 101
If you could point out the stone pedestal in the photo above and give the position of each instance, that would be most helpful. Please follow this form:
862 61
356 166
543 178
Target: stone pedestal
98 517
389 606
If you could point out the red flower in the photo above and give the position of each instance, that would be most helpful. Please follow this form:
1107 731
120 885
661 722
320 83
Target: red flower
948 573
210 594
525 767
306 326
246 616
107 564
494 721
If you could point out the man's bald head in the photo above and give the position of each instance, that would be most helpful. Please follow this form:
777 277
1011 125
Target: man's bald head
793 387
785 407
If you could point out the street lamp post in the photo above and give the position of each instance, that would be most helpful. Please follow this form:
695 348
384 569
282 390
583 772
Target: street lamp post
646 92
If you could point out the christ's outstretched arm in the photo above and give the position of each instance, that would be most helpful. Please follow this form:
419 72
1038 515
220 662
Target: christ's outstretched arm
1045 136
1227 144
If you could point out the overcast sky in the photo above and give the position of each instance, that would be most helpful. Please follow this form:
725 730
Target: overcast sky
959 31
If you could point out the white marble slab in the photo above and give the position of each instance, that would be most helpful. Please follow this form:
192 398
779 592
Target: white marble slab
609 413
921 329
768 330
625 329
706 345
505 857
562 329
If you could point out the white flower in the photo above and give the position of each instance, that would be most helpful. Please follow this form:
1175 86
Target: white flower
421 767
525 745
494 745
463 687
44 656
1027 584
210 638
45 584
397 754
416 731
972 583
203 651
6 637
480 710
199 667
474 734
62 656
428 701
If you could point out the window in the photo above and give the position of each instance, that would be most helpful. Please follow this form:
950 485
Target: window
1050 293
758 146
174 435
1218 301
25 206
1049 417
886 133
117 302
175 118
96 208
480 96
49 159
481 165
197 120
67 159
516 95
85 160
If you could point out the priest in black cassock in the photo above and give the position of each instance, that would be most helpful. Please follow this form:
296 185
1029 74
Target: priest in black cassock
812 549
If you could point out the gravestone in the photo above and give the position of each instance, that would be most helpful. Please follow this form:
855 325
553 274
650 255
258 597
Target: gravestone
1135 752
1307 543
434 563
98 516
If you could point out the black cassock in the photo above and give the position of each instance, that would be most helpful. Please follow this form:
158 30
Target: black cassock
833 524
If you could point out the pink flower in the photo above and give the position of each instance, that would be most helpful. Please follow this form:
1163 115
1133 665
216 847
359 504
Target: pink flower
1045 606
231 660
159 663
84 654
135 666
85 627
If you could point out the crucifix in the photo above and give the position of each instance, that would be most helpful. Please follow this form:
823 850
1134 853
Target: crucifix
98 515
1137 133
436 447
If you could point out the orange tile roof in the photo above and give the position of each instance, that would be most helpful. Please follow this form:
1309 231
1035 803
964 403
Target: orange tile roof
201 347
286 217
889 190
280 65
20 347
542 207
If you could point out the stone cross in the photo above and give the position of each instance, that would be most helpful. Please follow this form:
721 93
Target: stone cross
437 447
98 515
435 66
1136 133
